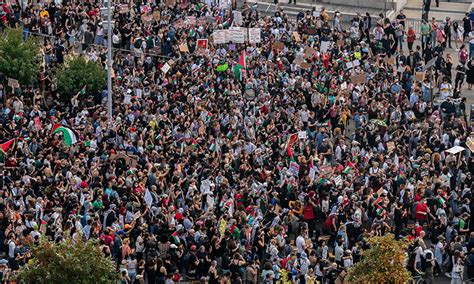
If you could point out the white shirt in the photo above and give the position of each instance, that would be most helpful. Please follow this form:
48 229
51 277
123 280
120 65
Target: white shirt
300 244
11 249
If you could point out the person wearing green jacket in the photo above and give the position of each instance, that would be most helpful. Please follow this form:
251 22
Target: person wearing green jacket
425 30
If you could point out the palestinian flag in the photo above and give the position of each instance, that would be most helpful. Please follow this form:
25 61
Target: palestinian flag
7 145
175 237
69 135
83 90
239 68
194 143
350 166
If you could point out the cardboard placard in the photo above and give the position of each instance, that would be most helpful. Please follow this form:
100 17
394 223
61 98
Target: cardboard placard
419 76
390 146
170 2
305 65
470 143
13 83
309 52
358 79
279 45
298 60
184 47
157 15
296 36
255 35
340 42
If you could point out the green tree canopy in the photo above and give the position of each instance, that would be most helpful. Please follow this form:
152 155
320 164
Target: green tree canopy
68 262
78 72
384 261
19 60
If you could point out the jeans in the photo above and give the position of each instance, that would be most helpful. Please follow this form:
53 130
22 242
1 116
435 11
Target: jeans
26 33
471 50
99 40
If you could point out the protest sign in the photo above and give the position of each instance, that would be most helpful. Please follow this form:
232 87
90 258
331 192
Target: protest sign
219 36
183 47
294 169
302 135
325 46
13 83
279 45
237 18
165 68
202 43
254 35
297 37
358 78
309 52
237 34
419 76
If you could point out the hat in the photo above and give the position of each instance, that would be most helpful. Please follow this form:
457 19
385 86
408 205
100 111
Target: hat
84 184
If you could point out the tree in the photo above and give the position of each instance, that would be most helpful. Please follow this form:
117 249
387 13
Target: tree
68 262
385 261
18 59
77 72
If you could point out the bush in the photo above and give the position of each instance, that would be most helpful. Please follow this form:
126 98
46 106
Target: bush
19 60
384 261
76 73
68 262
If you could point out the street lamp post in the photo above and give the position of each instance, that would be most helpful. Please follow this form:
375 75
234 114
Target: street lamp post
109 61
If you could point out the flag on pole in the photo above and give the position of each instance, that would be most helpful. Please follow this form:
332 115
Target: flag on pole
69 135
239 68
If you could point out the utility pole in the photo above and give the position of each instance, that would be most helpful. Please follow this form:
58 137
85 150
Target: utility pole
109 61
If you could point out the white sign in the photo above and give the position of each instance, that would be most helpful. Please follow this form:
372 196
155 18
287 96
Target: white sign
302 135
237 34
455 150
324 46
148 198
237 18
254 35
166 68
219 36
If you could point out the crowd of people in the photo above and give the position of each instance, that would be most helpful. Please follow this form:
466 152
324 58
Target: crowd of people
329 132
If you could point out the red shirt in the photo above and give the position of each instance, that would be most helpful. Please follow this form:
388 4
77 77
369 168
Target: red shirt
421 207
